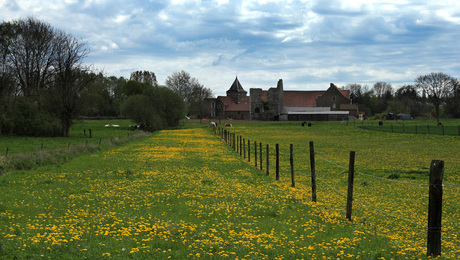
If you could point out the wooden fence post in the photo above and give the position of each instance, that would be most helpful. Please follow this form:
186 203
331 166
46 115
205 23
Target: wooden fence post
249 150
435 208
6 154
442 129
90 133
241 146
260 151
292 165
416 129
244 148
255 153
351 176
277 162
313 172
428 127
268 159
84 132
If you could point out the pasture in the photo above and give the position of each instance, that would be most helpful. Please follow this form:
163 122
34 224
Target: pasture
186 194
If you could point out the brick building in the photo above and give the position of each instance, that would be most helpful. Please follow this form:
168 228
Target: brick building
279 104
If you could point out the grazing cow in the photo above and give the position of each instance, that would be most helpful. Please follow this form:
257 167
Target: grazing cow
228 125
213 124
115 125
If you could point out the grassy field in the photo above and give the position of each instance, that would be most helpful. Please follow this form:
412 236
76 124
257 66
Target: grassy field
21 144
186 194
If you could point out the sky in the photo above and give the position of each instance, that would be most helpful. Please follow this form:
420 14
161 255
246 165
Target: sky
307 43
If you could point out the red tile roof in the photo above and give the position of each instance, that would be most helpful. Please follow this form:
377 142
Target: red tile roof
301 98
230 104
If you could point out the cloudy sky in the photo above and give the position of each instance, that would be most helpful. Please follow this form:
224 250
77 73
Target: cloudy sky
307 43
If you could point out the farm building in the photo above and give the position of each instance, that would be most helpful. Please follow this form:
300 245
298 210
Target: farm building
279 104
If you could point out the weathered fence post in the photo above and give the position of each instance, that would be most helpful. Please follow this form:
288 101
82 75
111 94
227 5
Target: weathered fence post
351 176
277 149
458 130
435 208
244 148
392 128
442 129
260 150
6 153
241 146
416 129
249 150
428 127
313 172
90 133
84 132
268 159
255 153
292 165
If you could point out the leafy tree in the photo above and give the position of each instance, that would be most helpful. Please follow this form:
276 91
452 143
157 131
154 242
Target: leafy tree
157 108
438 86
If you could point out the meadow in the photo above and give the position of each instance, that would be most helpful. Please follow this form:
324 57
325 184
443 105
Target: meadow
186 194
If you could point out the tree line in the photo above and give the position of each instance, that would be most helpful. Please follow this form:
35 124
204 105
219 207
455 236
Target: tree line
45 85
436 94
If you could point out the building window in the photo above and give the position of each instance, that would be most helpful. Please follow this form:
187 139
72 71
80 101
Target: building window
213 114
333 98
334 106
213 104
218 106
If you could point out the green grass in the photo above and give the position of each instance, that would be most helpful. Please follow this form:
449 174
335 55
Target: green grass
19 152
186 194
24 144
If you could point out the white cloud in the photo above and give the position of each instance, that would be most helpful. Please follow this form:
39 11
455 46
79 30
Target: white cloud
307 43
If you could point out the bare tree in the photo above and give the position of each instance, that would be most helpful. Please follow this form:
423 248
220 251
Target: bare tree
71 77
32 54
438 86
382 89
144 77
192 92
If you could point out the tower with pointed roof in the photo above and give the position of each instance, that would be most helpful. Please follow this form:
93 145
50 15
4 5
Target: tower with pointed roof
237 93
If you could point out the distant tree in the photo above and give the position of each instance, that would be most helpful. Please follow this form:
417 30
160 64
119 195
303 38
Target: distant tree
191 91
453 101
438 86
144 77
384 93
382 89
362 96
156 109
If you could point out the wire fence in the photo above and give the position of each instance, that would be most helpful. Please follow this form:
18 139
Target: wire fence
408 128
239 145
